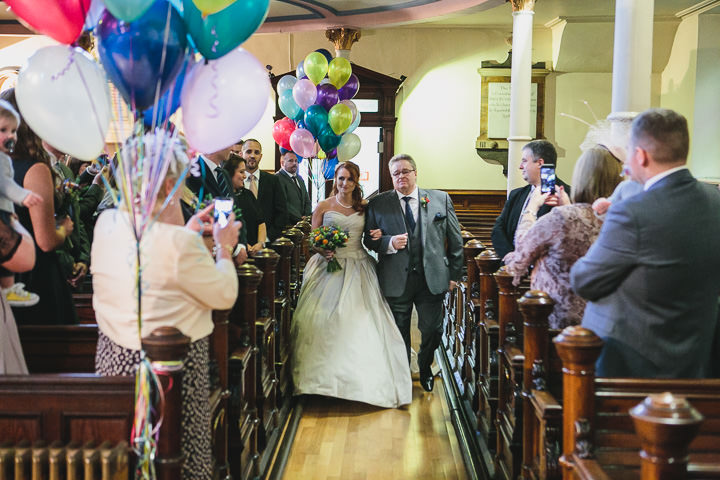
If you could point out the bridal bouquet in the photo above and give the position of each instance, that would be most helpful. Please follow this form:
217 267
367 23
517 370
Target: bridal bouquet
329 238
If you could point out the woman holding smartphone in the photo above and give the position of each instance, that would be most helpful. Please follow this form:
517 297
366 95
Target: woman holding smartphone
555 241
180 287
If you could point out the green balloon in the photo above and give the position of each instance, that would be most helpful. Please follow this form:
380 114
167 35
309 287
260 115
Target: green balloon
339 71
316 67
128 10
339 118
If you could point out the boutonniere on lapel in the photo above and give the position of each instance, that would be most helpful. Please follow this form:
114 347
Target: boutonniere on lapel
424 200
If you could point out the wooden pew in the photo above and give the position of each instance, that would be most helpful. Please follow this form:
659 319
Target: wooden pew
487 344
283 313
55 424
598 437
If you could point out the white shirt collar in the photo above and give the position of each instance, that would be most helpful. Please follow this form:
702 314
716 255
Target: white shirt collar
414 194
210 164
653 180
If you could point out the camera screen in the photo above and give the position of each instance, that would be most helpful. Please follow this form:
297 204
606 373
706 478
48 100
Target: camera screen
547 178
223 208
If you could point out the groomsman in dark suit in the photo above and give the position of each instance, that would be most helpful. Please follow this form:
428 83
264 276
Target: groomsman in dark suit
534 155
298 200
266 188
652 277
213 179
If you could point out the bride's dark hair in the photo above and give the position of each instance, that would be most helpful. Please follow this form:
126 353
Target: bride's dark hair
357 194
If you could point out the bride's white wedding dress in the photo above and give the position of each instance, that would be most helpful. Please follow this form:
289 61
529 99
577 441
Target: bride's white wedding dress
345 341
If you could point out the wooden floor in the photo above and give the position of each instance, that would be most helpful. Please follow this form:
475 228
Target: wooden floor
338 439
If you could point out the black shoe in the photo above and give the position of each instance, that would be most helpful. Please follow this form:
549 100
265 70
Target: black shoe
427 382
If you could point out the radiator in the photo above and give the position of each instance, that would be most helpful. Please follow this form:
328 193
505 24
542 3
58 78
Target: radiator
39 461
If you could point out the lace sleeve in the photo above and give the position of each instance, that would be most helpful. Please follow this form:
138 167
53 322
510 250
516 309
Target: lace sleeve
9 242
527 220
535 243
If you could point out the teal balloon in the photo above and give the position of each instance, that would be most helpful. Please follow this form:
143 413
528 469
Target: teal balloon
327 139
128 10
316 118
288 106
219 33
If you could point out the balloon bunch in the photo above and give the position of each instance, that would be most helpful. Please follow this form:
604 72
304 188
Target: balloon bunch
320 113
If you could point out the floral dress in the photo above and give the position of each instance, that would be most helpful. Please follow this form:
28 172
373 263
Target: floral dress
553 243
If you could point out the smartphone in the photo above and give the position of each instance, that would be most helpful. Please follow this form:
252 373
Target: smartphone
547 178
223 209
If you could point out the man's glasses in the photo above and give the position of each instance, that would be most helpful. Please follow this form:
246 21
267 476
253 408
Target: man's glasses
402 173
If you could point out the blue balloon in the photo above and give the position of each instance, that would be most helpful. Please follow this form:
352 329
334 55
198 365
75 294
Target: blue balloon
132 53
169 102
329 168
300 123
326 54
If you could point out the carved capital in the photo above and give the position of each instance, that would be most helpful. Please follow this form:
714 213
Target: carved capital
522 5
342 37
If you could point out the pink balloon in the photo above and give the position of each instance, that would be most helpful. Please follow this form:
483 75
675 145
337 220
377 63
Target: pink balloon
60 19
211 100
304 93
303 143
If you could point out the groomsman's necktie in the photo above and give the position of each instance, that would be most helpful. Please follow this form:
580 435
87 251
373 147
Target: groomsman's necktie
409 214
253 185
222 183
296 182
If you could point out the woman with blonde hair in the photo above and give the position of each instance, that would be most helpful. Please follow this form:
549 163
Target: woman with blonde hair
554 242
180 288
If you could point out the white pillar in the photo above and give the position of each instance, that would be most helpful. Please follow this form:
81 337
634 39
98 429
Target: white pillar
520 83
632 59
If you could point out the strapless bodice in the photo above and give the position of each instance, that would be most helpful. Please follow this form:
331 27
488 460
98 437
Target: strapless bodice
353 225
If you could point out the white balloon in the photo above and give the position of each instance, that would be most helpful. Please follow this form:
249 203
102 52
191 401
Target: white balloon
223 99
349 147
63 96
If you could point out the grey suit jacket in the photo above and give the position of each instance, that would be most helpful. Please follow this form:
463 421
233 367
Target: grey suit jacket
652 277
298 200
440 235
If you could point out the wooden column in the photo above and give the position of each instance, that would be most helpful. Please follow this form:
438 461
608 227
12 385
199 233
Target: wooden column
470 325
535 307
219 371
166 347
666 425
579 349
283 246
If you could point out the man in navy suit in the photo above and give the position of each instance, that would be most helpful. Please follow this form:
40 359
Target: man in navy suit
213 179
652 277
534 155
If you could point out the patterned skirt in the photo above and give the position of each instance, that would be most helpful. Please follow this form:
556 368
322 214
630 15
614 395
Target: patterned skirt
111 360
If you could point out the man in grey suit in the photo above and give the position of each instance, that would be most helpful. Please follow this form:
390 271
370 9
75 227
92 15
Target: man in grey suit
298 200
652 277
420 255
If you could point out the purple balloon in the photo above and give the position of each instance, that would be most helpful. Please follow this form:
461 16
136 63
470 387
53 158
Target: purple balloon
327 96
350 89
332 153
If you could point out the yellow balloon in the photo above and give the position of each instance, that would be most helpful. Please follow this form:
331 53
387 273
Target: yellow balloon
208 7
340 118
339 71
321 154
315 66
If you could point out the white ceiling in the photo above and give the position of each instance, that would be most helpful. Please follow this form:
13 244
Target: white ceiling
296 15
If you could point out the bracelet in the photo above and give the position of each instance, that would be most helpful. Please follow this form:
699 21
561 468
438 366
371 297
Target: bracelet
526 211
228 248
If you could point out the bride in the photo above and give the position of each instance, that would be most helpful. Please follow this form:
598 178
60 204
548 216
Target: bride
345 341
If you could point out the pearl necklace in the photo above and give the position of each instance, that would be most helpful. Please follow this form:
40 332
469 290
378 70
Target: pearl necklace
342 204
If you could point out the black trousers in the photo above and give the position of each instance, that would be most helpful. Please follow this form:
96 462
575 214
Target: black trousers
429 308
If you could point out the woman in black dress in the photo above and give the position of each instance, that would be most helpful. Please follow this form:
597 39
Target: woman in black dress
252 217
33 171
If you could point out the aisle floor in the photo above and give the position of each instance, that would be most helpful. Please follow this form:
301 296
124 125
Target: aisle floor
338 439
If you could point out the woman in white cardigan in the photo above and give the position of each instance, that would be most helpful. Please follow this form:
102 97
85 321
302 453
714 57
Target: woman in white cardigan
181 285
